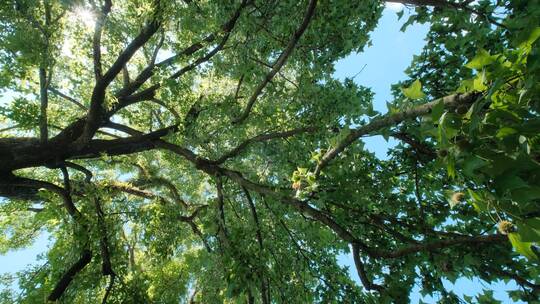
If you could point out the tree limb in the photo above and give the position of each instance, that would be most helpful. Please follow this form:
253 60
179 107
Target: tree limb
389 120
279 62
68 98
260 138
368 284
94 115
148 93
96 44
44 97
62 285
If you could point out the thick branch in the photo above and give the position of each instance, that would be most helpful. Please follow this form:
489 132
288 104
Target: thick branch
148 94
64 193
109 288
389 120
368 284
66 279
70 206
96 44
17 153
106 265
98 94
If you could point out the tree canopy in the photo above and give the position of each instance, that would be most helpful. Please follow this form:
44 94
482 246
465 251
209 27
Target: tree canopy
189 151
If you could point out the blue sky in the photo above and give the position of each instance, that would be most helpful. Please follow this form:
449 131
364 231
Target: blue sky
381 65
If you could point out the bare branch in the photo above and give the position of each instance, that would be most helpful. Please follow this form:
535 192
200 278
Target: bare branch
68 98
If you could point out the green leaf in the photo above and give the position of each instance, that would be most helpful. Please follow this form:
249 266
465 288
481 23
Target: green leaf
466 85
478 83
509 182
414 91
478 201
471 164
522 247
533 222
527 233
451 167
400 14
535 34
505 131
481 59
437 110
524 195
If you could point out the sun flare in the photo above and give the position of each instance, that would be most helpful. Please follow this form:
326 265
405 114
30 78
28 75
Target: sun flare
84 16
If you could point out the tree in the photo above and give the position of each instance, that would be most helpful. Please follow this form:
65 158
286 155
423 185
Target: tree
202 152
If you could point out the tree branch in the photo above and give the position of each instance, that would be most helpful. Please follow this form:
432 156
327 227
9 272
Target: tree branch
260 138
68 98
94 115
448 4
62 285
148 94
416 145
389 120
279 62
368 284
221 209
44 98
264 281
96 44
